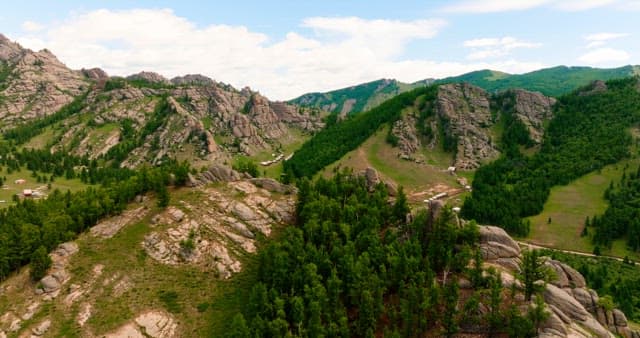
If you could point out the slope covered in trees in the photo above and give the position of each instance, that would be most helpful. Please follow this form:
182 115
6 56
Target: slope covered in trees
554 81
356 98
589 131
353 267
330 144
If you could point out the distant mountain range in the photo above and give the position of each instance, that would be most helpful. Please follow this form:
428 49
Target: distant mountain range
554 81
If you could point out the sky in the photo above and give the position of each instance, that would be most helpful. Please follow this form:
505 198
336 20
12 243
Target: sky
290 47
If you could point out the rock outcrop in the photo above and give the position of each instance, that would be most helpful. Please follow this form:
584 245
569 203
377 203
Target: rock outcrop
465 111
532 109
574 310
37 84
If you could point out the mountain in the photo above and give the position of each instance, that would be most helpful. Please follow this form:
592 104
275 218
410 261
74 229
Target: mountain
356 98
142 118
554 81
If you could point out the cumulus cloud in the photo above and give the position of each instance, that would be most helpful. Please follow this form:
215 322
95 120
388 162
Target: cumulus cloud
333 53
494 6
604 55
495 47
31 26
600 39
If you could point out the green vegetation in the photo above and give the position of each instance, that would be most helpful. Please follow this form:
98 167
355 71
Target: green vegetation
554 81
22 133
31 224
622 217
352 267
587 133
569 206
330 144
356 98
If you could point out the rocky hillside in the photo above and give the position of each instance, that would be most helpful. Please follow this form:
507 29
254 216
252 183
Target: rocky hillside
149 272
465 120
34 84
574 309
143 118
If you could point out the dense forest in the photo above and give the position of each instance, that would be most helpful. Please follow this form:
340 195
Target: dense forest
333 142
352 266
555 81
621 219
589 130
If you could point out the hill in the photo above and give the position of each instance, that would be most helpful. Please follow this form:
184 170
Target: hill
356 98
554 81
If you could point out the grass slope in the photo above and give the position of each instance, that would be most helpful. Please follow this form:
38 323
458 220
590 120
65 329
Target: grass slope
11 188
568 206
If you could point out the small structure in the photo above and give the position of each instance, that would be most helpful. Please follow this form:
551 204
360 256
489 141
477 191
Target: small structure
456 209
20 181
451 170
27 192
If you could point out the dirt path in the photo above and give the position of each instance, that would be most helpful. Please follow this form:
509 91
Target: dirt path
538 246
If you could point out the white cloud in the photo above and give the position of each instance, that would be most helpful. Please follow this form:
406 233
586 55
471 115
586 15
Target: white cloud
604 55
600 39
338 52
491 6
31 26
485 48
495 6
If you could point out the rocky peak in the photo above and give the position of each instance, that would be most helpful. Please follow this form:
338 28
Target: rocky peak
192 79
95 73
148 76
532 109
9 50
465 110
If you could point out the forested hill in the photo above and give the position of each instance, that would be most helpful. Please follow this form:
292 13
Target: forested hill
591 129
554 81
330 144
357 98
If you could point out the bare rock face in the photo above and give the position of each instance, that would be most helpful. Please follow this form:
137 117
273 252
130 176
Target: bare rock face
57 275
149 76
532 109
38 83
192 79
222 226
154 324
464 108
405 132
498 247
95 73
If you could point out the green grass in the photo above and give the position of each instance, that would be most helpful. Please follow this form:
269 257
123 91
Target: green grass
40 141
414 177
59 183
568 207
290 143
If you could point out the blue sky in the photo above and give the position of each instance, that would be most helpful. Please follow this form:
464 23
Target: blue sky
286 48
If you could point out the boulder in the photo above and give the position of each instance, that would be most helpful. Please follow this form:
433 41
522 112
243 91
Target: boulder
584 297
495 243
49 284
272 185
554 326
565 303
619 319
176 214
42 328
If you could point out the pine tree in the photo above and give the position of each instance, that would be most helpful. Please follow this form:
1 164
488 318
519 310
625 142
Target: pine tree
40 263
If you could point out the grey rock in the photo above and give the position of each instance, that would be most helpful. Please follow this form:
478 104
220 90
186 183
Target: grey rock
49 284
619 318
42 328
565 303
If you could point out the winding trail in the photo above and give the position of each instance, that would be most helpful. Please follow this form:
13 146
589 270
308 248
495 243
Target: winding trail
579 253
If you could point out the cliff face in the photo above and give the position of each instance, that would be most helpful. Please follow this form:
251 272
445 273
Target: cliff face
465 118
574 309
